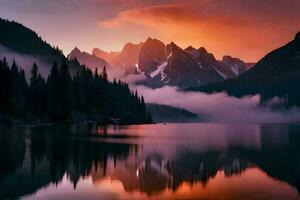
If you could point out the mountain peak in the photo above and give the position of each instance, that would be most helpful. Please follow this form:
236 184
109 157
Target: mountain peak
190 48
173 48
153 41
132 45
97 50
202 49
228 58
149 39
75 51
151 55
173 44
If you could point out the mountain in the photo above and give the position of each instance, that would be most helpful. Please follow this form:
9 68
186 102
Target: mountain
129 54
21 39
164 113
179 69
87 59
208 61
228 67
70 93
127 59
236 65
152 54
23 45
276 74
170 65
110 57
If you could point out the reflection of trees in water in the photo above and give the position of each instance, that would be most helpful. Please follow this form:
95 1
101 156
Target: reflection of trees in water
50 153
12 151
279 154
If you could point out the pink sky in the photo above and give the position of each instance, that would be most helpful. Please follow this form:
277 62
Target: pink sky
242 28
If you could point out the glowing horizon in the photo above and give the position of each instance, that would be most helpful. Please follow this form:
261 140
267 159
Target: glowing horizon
239 28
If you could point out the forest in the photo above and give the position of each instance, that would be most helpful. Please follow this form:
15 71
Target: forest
62 97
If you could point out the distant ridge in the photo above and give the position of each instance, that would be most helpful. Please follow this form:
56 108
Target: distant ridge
170 65
87 59
276 74
21 39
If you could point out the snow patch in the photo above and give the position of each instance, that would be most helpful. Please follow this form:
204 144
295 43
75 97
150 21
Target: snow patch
235 69
137 68
221 74
163 75
200 66
159 69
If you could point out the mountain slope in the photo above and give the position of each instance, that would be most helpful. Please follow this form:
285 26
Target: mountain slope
180 69
84 58
110 57
129 54
152 54
19 38
277 74
228 68
170 65
236 65
23 45
127 59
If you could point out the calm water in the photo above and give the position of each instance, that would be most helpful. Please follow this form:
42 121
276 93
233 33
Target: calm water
173 161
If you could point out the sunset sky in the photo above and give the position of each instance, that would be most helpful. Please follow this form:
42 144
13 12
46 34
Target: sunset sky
242 28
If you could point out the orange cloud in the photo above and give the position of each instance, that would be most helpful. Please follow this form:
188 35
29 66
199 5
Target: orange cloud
238 29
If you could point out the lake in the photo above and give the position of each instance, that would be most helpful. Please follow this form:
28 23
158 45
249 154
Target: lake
173 161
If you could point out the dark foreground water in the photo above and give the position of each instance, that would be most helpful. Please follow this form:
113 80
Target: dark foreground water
173 161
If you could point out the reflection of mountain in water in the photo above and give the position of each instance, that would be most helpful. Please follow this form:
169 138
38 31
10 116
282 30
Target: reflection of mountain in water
29 163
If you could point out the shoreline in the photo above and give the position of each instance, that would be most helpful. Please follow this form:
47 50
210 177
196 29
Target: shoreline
16 122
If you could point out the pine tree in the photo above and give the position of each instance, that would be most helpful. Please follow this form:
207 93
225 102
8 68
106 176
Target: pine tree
5 87
65 92
149 118
53 88
104 74
36 92
17 106
34 75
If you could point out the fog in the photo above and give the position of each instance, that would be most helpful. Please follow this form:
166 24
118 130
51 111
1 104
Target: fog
24 61
218 107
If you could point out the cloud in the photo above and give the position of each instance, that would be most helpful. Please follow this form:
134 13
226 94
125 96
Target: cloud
217 107
224 27
24 61
220 107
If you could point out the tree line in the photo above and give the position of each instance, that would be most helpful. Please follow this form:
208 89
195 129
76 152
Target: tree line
62 95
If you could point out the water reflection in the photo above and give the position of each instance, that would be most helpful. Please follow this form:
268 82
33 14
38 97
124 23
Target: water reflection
162 159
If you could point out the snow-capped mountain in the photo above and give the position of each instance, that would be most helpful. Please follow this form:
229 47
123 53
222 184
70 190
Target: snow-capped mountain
152 55
235 64
228 67
170 65
276 75
179 69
